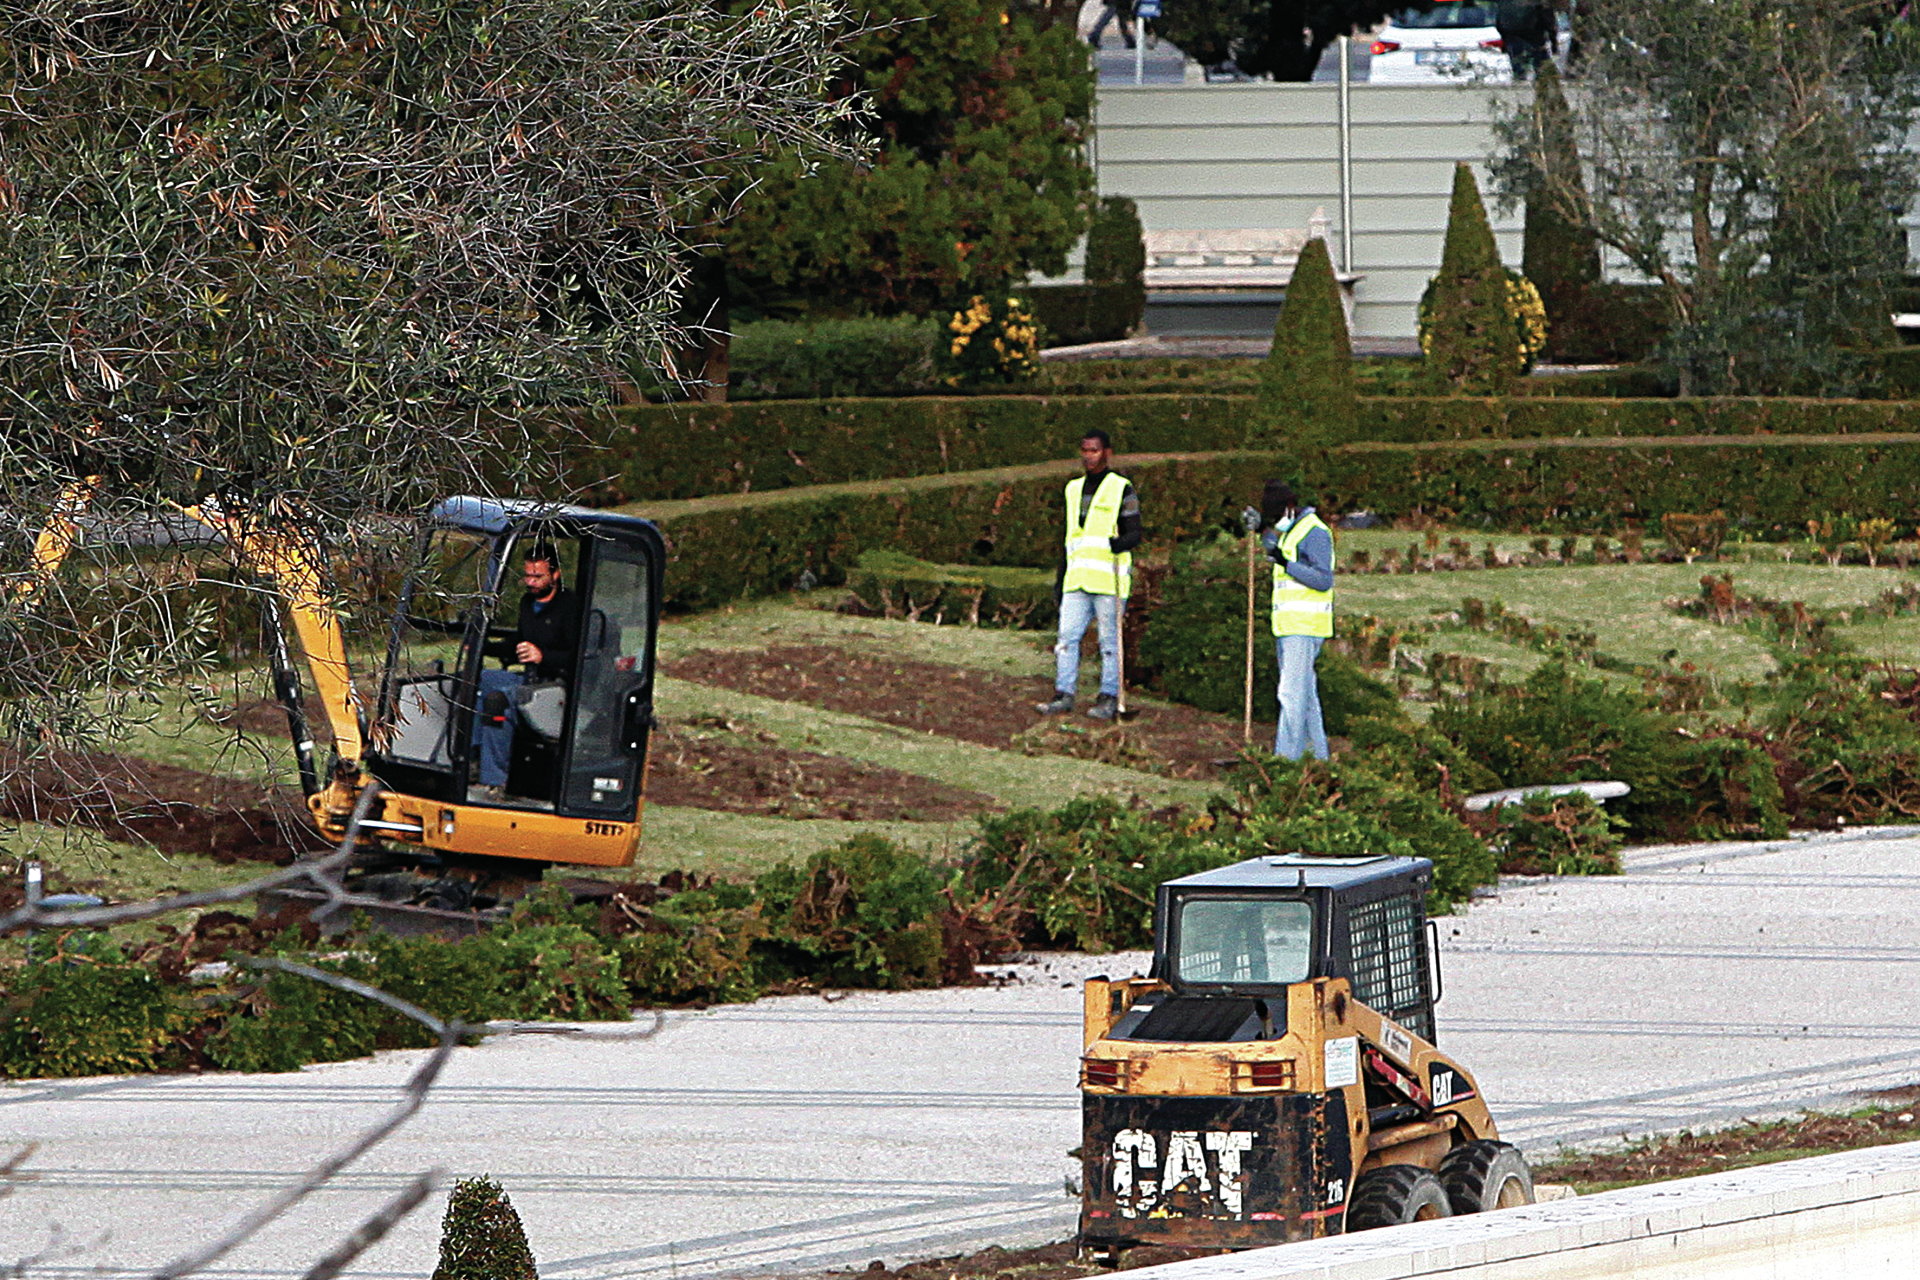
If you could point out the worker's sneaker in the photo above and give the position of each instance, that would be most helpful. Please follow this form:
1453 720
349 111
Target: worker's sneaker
1061 704
1103 707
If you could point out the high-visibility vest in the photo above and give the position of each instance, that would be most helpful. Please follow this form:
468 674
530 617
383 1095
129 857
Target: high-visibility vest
1091 562
1299 610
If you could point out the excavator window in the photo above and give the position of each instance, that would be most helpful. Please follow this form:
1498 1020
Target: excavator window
1254 941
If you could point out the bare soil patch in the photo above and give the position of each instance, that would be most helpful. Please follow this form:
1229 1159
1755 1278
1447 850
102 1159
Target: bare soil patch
173 809
965 703
715 764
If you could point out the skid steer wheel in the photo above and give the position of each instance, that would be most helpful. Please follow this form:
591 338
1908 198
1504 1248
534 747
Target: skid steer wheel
1395 1195
1486 1175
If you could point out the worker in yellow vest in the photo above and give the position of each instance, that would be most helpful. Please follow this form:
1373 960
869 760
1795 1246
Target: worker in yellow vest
1301 548
1103 527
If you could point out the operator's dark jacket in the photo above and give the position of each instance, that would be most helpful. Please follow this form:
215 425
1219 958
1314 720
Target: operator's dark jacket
555 629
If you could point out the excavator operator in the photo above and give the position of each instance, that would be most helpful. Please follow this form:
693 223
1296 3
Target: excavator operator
544 643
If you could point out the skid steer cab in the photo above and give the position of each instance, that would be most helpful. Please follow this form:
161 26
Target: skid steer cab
1275 1078
478 751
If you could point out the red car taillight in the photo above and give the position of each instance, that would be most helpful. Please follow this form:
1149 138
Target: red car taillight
1384 46
1495 45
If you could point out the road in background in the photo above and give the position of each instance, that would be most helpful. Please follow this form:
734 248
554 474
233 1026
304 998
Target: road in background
1707 983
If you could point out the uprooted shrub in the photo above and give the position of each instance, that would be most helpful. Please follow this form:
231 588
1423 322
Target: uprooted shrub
1557 835
863 913
84 1018
1560 727
1844 740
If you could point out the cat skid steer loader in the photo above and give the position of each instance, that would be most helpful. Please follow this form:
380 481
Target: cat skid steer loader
1275 1077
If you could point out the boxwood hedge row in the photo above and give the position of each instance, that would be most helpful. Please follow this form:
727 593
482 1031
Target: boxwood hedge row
737 545
660 452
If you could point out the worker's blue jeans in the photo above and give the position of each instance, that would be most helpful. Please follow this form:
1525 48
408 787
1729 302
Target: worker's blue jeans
495 740
1077 608
1300 731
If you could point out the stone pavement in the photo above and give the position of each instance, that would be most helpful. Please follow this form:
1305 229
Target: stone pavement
1709 982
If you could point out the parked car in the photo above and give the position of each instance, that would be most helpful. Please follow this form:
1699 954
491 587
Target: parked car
1452 41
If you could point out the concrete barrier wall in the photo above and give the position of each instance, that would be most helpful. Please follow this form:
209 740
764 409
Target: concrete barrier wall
1854 1215
1268 155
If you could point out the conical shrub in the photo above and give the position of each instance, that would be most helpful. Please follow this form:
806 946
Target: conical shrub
1117 257
1306 383
481 1238
1473 348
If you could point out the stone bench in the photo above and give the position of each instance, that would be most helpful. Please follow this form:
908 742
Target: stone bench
1226 281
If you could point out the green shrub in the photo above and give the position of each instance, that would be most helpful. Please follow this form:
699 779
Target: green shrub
821 359
863 913
1072 315
558 971
1846 741
1117 249
697 946
1306 381
283 1021
890 583
73 1018
1568 835
481 1237
1473 347
1418 756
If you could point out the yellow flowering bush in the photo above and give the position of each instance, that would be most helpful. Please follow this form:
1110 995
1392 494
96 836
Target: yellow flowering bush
1528 312
991 342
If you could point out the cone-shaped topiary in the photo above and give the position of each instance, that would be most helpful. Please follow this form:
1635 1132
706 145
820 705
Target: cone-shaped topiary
482 1238
1306 383
1474 349
1117 254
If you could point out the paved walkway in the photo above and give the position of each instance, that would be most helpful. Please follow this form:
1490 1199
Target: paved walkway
1707 983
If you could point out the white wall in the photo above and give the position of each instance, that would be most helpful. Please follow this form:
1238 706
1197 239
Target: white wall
1268 155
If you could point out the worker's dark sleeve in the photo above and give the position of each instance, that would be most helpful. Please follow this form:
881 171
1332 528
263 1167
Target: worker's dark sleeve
1130 529
555 631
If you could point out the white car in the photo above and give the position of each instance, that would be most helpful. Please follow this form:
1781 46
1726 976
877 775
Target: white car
1453 41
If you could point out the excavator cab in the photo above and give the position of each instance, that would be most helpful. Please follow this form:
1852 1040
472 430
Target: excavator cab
573 789
1275 1077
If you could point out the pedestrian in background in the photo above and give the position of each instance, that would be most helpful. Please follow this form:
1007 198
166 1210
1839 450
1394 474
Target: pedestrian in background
1528 32
1121 9
1300 545
1096 573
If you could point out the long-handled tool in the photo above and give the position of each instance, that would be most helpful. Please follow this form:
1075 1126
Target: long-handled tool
1120 711
1246 715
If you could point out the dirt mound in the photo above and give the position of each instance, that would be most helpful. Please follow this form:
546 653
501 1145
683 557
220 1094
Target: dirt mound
952 701
173 809
716 764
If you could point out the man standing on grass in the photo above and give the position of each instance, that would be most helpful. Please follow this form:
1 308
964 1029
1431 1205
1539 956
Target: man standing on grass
1103 528
1301 548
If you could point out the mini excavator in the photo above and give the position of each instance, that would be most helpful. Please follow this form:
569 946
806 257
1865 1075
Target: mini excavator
577 772
1275 1077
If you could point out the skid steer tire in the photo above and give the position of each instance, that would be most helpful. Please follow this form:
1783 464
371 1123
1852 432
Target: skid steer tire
1395 1195
1483 1175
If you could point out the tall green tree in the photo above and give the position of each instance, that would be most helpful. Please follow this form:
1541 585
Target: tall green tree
1276 39
1749 155
325 260
978 172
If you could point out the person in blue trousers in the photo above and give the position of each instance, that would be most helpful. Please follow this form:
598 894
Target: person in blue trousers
1300 546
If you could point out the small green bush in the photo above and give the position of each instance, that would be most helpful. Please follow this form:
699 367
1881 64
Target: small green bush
61 1018
1072 315
823 359
697 946
863 913
1557 835
481 1237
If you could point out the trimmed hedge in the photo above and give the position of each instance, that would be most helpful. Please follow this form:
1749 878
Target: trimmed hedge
663 452
725 548
739 545
680 451
1574 486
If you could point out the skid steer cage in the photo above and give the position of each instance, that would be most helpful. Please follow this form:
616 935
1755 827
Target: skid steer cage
1214 1172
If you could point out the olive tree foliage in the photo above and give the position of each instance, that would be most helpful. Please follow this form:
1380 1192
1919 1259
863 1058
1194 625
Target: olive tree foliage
324 261
1748 155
